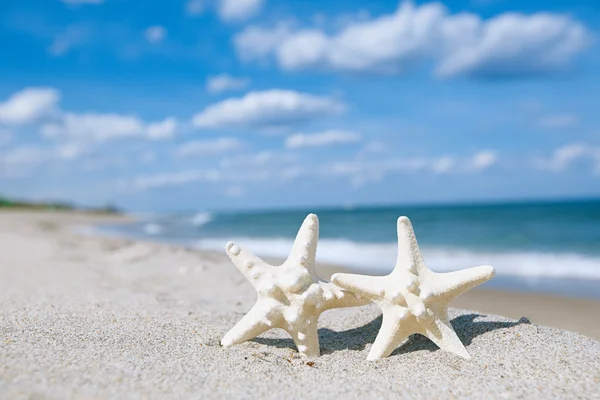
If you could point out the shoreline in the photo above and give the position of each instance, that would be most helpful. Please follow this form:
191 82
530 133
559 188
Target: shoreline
96 317
560 310
567 274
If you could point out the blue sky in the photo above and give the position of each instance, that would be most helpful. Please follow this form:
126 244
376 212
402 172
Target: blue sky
223 104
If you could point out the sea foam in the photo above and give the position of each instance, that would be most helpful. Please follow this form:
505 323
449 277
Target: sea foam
201 218
381 257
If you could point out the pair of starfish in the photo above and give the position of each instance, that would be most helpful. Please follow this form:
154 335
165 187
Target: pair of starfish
413 298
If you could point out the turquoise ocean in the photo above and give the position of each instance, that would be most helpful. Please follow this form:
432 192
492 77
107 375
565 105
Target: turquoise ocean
543 246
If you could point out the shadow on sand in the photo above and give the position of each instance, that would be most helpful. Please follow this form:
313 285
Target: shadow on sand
357 339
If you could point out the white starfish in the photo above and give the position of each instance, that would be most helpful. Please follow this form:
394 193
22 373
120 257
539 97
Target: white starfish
290 296
413 298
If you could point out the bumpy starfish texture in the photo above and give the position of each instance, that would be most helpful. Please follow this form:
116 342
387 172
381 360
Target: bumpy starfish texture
413 298
290 296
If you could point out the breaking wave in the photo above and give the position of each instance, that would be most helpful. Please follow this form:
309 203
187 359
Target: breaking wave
201 218
381 257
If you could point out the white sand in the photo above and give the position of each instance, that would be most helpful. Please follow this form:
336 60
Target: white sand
84 317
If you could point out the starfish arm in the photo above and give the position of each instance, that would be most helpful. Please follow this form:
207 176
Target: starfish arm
440 331
336 297
447 286
391 334
304 249
409 255
371 287
307 338
254 323
249 265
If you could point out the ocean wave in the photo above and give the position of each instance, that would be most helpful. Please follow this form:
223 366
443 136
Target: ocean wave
381 257
201 218
152 229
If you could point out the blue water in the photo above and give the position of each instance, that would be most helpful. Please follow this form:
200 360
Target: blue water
547 246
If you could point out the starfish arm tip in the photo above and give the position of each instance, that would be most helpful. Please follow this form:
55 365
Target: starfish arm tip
488 270
312 217
232 249
338 279
403 220
404 225
226 341
360 285
462 352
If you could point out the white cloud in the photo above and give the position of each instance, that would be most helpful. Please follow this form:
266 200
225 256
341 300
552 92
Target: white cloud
23 160
82 1
104 127
96 126
273 167
563 157
460 44
558 121
195 7
262 158
72 36
222 83
264 109
162 130
29 105
361 171
321 139
175 179
483 160
204 147
238 10
155 34
69 151
255 43
443 165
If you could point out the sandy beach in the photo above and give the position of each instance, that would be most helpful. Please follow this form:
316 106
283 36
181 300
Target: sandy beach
87 317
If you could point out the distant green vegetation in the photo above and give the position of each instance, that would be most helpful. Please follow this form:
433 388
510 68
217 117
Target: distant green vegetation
62 206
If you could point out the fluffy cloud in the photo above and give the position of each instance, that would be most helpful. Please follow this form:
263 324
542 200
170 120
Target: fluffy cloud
222 83
104 127
40 105
265 109
362 171
228 10
274 167
558 121
255 43
563 157
161 130
203 147
28 105
483 160
69 38
278 159
155 34
69 151
321 139
460 44
443 165
238 10
175 179
22 160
